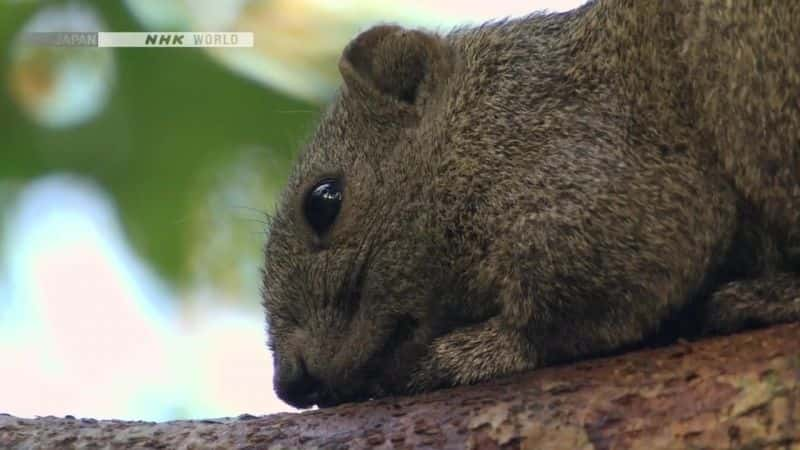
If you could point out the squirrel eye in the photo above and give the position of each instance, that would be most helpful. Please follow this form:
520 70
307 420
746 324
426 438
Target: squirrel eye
322 205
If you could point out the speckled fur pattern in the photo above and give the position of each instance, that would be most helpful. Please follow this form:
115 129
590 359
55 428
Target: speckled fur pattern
539 190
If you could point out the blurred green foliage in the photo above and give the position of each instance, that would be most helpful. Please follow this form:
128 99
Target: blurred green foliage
175 117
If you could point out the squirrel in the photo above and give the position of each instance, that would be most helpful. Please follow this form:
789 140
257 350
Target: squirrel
538 190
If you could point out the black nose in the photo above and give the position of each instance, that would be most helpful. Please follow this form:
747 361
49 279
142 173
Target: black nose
295 385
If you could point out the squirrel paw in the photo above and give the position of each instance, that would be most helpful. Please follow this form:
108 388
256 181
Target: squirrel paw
745 304
473 354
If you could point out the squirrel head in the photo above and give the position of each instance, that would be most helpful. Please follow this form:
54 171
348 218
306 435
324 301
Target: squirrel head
351 267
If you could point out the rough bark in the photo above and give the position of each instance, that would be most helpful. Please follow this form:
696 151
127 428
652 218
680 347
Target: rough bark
740 391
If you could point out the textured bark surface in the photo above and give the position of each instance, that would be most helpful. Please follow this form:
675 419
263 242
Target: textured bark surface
739 391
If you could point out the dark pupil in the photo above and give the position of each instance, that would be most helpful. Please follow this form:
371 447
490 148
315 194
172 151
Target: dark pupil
323 204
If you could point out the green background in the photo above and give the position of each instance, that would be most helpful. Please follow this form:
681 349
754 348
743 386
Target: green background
174 119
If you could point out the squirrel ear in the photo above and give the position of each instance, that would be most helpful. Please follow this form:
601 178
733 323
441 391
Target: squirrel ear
393 61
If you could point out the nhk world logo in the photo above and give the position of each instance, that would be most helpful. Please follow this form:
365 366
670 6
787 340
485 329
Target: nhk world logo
125 39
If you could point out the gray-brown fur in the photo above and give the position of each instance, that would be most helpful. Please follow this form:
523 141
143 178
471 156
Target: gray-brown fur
539 190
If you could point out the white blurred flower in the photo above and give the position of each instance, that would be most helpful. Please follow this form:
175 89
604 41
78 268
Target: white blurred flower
61 86
225 366
231 223
160 15
298 42
87 329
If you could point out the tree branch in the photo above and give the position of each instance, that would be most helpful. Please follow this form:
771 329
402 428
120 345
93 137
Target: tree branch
740 391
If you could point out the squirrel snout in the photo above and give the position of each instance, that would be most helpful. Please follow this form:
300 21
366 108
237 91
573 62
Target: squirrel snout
295 385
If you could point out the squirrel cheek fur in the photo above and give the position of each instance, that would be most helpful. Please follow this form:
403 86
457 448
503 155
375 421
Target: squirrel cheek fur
540 190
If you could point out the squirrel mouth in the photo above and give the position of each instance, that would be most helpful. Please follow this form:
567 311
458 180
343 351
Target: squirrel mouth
382 374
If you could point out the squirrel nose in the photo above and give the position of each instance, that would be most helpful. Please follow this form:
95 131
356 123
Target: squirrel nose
295 385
